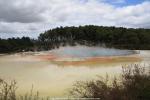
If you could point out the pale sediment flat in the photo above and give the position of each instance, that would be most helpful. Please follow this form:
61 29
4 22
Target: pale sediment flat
51 77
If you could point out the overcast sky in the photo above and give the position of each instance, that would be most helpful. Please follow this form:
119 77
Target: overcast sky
31 17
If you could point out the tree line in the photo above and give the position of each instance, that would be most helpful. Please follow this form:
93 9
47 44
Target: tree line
16 45
118 37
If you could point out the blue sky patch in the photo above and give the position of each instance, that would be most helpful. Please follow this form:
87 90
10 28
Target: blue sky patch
124 2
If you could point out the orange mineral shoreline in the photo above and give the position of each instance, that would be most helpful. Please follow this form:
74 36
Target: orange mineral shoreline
88 61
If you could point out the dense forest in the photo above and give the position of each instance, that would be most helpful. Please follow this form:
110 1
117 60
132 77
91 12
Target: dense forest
16 45
118 37
96 35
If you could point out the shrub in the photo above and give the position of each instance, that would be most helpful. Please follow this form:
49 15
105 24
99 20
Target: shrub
134 84
7 90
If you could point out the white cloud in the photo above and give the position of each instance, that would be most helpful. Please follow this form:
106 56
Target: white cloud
35 16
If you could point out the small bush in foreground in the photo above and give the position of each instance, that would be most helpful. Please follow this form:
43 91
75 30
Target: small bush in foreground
7 90
133 85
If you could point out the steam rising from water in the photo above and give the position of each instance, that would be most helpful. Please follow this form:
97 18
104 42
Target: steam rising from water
84 51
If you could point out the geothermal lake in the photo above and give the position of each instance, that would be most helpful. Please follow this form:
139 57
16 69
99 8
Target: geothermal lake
53 72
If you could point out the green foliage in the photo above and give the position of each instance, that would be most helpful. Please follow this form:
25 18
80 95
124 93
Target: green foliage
96 35
15 44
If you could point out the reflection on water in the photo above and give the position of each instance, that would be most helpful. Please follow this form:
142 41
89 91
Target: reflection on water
50 79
